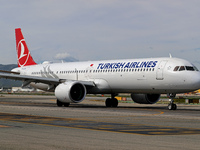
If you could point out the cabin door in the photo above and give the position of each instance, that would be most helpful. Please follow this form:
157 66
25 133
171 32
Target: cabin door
160 70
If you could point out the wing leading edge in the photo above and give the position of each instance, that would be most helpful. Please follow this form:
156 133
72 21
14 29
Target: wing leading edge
36 79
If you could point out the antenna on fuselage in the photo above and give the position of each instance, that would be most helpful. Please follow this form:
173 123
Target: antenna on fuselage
170 56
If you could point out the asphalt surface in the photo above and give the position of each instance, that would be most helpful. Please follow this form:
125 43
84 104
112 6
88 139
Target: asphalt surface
35 122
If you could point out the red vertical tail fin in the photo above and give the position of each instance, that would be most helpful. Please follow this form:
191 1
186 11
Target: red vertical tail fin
24 56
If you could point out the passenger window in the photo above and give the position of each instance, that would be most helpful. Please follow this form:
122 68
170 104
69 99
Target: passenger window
181 68
176 68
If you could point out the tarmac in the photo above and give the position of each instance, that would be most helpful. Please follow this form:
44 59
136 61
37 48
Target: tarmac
35 122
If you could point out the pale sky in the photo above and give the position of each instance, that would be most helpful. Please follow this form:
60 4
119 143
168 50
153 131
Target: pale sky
101 29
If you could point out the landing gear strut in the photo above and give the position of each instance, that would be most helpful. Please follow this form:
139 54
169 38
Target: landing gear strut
112 102
171 105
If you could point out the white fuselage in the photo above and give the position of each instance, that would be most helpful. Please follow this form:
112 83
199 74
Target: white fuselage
150 75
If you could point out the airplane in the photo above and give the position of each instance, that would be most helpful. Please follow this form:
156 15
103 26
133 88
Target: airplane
145 79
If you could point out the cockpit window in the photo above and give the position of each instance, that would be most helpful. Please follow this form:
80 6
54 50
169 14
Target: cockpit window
181 68
176 68
188 68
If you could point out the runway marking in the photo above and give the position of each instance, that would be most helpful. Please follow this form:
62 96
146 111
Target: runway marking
140 129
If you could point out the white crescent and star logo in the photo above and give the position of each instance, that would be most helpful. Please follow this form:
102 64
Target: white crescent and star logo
23 53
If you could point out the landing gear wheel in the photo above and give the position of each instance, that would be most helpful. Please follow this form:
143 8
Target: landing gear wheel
114 102
111 102
59 103
66 104
108 102
172 106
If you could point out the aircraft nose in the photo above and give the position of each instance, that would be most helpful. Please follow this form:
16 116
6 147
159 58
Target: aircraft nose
196 80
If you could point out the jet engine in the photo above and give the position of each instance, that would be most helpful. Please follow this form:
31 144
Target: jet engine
70 92
145 98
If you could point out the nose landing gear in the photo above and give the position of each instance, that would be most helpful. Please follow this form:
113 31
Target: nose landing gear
171 105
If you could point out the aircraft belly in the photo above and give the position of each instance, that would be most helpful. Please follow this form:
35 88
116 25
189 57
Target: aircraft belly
120 84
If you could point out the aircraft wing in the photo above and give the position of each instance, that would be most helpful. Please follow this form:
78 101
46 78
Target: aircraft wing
29 79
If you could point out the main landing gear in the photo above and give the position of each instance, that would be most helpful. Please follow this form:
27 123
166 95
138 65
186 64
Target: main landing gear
112 102
171 105
60 104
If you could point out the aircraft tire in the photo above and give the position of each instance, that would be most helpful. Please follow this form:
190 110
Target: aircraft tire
114 102
108 102
172 106
59 103
66 104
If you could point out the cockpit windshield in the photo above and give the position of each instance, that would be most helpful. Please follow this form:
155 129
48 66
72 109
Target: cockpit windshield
176 68
187 68
182 68
190 68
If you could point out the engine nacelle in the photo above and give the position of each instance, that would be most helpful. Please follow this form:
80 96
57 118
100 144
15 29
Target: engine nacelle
70 92
145 98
